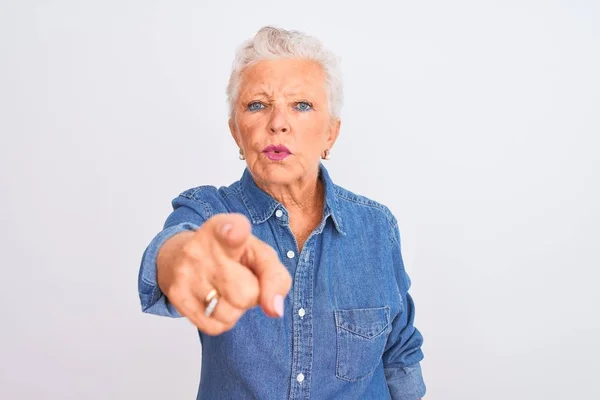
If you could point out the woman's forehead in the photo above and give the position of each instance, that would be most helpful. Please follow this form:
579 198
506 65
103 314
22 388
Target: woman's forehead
289 75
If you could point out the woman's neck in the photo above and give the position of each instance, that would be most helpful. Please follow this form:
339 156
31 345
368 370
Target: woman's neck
305 196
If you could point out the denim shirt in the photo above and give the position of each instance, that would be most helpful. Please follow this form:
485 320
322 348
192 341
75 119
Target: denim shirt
347 330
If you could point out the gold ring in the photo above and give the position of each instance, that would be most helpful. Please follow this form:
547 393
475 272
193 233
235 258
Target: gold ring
210 296
211 302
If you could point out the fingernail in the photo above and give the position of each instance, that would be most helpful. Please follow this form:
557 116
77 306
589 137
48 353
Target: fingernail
278 302
225 229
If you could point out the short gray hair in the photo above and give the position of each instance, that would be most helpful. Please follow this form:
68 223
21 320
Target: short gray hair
271 43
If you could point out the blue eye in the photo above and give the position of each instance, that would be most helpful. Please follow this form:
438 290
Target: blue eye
303 106
255 106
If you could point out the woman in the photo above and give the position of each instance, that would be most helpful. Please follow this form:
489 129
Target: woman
323 263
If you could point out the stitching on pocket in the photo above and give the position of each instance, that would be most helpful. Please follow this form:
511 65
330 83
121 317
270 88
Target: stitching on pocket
357 330
349 342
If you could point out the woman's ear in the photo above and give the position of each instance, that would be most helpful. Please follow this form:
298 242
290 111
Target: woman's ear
334 131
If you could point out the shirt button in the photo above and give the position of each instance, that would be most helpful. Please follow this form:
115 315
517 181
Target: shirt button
278 213
300 377
301 312
290 254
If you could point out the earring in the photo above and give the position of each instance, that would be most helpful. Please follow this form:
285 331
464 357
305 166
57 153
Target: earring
326 156
242 156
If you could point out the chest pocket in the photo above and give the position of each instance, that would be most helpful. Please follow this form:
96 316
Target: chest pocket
361 335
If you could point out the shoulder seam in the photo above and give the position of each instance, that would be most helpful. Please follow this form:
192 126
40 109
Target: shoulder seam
366 202
191 194
391 219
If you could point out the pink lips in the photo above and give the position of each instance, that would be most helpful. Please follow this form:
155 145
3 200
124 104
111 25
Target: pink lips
276 153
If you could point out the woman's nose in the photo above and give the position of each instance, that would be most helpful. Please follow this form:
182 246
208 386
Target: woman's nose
278 122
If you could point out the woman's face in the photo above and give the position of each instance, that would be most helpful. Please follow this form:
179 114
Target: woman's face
283 103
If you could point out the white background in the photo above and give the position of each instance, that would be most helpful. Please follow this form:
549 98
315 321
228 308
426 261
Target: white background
476 122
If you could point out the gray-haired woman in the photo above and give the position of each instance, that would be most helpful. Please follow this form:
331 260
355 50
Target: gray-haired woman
324 264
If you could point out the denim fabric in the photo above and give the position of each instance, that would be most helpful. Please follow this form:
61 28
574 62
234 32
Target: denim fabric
347 332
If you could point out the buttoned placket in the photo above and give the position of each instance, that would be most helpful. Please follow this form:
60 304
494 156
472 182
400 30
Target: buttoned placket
301 297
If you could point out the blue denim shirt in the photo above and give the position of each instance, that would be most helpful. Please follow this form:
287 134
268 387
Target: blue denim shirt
347 331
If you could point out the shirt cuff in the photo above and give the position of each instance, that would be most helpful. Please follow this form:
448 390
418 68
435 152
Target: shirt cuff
405 383
153 301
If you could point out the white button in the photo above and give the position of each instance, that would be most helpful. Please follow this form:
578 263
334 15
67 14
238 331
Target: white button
300 377
301 312
290 254
278 213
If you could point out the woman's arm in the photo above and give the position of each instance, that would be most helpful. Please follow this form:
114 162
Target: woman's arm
403 354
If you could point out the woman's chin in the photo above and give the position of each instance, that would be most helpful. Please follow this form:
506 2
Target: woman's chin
275 173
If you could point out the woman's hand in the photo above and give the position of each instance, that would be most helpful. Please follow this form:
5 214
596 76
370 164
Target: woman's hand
223 255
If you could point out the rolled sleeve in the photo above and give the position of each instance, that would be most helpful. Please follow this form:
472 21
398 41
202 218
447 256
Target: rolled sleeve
405 383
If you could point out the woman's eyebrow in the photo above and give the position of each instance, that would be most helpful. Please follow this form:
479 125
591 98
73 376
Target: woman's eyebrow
294 93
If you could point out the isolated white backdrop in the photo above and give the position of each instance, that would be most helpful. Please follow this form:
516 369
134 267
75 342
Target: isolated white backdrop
476 122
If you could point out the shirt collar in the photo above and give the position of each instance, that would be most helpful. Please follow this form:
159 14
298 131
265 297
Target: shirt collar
261 205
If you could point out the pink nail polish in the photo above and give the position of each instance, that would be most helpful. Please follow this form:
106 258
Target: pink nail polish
278 303
225 229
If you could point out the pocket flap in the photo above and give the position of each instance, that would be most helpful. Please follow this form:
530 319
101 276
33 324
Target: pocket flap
366 322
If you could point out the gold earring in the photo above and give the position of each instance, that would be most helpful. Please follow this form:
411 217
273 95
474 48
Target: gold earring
242 157
327 155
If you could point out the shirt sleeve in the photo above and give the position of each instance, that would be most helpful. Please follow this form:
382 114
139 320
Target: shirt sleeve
186 216
401 359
